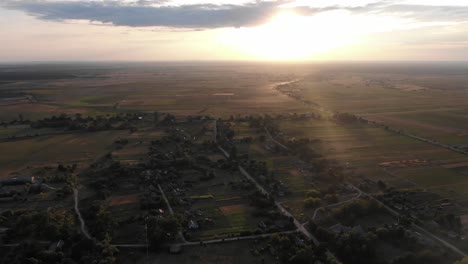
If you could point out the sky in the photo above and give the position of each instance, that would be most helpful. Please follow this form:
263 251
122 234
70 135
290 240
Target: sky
282 30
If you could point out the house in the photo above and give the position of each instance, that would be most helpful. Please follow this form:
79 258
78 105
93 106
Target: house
56 246
298 241
358 229
193 224
339 228
17 181
209 220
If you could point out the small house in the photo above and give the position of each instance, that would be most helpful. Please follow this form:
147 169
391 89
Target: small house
193 224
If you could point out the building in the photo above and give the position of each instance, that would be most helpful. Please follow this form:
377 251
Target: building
17 181
193 224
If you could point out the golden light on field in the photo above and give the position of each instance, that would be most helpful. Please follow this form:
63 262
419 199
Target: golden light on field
292 37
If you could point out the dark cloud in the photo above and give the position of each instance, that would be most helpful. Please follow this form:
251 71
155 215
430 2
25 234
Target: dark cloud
185 16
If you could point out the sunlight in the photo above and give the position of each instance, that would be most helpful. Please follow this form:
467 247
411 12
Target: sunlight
292 37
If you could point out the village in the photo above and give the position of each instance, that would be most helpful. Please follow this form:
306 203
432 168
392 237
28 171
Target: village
203 181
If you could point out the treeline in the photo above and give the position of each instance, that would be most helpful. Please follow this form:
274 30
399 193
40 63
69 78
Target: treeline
78 122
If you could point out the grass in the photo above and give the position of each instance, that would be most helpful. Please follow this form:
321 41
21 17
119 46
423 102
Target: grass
202 197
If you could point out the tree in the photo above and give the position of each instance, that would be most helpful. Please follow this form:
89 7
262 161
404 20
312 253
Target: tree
313 193
161 230
99 220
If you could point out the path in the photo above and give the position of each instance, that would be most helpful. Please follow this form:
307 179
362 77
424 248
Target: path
337 204
435 237
275 141
280 207
212 241
48 186
77 210
169 207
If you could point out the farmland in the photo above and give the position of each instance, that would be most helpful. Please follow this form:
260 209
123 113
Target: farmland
190 159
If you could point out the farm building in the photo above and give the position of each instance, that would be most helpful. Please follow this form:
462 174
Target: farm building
17 181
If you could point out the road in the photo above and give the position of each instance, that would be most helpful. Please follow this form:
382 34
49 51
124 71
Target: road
360 193
275 141
435 237
169 207
48 186
419 228
432 142
300 228
78 213
382 125
337 204
212 241
280 207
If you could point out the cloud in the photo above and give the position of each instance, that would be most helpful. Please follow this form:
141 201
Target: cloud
161 13
141 14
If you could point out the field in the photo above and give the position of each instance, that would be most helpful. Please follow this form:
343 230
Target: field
54 149
135 161
182 89
229 253
378 154
425 102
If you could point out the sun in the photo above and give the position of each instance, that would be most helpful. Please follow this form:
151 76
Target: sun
288 36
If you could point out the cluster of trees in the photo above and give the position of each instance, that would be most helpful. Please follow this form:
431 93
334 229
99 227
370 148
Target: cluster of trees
260 200
346 118
99 220
77 250
312 198
433 256
450 222
54 224
119 121
353 211
104 175
355 248
162 229
294 250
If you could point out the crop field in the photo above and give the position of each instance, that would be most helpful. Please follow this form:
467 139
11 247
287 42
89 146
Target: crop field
228 253
229 220
447 183
430 106
284 167
367 146
228 208
398 160
211 90
53 149
156 122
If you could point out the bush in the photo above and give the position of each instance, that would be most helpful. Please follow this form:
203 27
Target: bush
312 202
246 233
312 193
331 198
